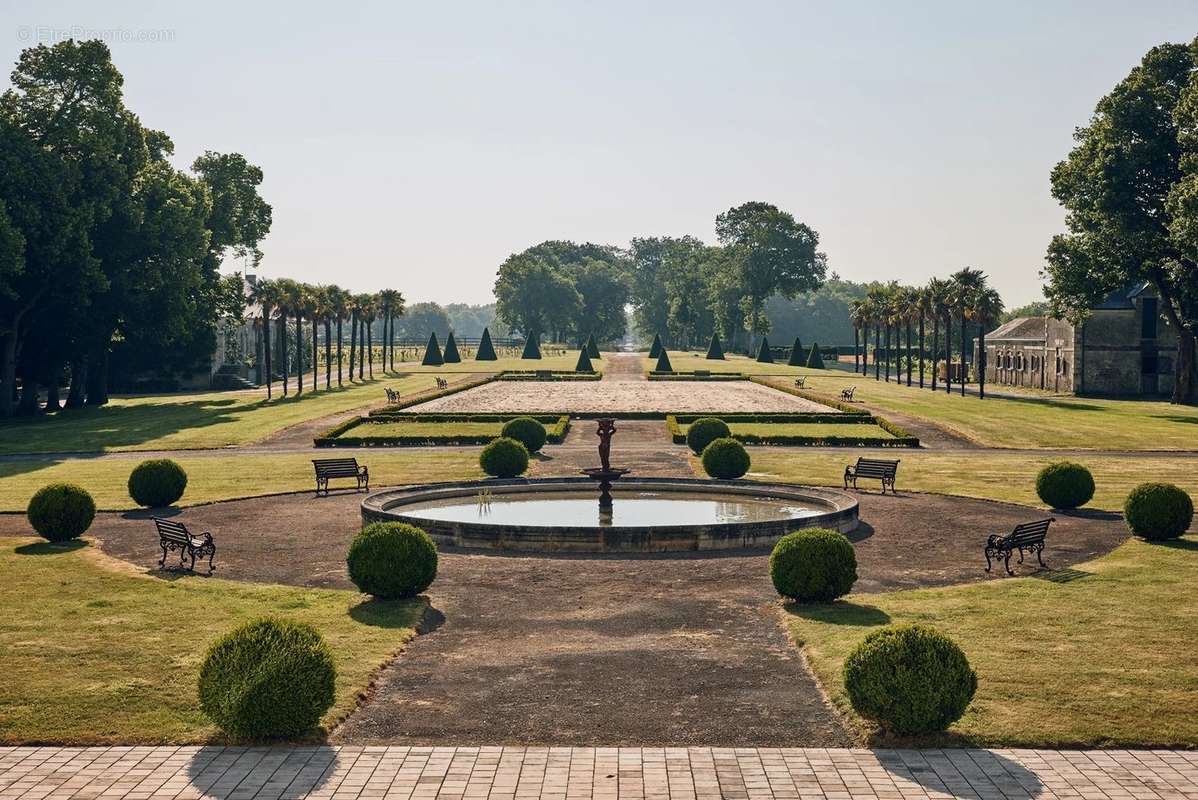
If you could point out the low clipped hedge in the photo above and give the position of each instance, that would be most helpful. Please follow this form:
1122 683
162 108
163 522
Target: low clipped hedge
355 432
1065 485
697 376
268 679
519 375
1158 511
504 458
726 459
527 431
392 560
60 512
157 482
814 565
909 679
704 431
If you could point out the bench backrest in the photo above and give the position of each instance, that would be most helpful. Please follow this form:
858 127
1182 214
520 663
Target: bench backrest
876 467
171 530
1030 532
336 467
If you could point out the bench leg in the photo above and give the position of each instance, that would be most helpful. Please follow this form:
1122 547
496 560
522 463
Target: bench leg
211 555
1039 551
988 564
162 561
1007 562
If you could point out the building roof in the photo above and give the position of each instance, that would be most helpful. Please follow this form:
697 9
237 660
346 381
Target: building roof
1122 299
1019 328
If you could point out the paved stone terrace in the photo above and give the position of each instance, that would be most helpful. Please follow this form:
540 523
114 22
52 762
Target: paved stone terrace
565 773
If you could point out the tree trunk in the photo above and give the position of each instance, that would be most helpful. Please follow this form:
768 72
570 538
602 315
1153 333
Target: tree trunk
28 406
328 353
1184 389
266 352
908 352
362 349
920 343
980 363
53 400
353 343
888 352
315 354
77 394
338 352
299 354
964 344
856 350
8 374
284 362
935 348
948 353
877 352
370 347
97 377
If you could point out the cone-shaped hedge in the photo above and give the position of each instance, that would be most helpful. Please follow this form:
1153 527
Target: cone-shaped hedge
486 350
655 348
451 351
663 362
532 347
593 347
815 360
764 355
715 351
584 362
798 356
432 353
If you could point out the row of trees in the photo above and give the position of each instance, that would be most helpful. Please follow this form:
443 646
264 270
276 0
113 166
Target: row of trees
281 301
892 310
109 255
677 285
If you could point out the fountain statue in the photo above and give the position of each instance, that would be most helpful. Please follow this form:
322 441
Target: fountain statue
604 473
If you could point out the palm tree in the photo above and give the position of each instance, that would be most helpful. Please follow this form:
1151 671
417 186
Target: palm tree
923 306
891 312
312 302
876 299
937 298
966 283
365 303
266 294
288 291
322 311
987 306
338 301
857 311
391 305
351 307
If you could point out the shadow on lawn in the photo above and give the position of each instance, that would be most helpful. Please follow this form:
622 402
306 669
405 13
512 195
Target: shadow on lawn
396 614
841 612
51 548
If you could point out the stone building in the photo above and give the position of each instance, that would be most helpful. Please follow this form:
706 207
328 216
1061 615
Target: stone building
1124 349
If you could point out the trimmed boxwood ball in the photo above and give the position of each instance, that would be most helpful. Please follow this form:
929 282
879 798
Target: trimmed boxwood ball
392 560
814 565
909 679
527 431
504 458
726 459
1065 485
1158 511
60 512
157 483
703 432
268 679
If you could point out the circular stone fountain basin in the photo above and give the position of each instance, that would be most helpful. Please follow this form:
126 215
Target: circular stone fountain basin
647 514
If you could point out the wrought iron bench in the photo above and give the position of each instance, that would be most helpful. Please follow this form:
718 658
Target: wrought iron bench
801 383
1028 537
327 468
883 470
392 395
846 393
174 536
442 383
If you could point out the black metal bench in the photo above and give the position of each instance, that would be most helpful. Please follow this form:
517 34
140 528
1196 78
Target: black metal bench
881 469
327 468
174 536
846 393
1028 537
392 395
801 383
442 383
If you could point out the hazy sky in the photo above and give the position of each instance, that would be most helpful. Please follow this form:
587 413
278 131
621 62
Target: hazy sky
416 145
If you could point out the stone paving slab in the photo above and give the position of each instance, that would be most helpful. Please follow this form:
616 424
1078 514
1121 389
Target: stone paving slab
566 773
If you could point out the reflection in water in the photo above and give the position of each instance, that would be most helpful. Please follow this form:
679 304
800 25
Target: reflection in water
629 509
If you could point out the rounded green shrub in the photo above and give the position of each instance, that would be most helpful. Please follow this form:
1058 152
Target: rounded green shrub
527 431
909 679
61 511
703 432
268 679
1065 485
725 459
1158 511
504 458
392 560
813 565
157 482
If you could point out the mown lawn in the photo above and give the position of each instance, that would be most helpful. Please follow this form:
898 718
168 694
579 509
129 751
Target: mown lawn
1102 654
1009 477
192 421
223 477
96 653
558 363
1080 423
803 429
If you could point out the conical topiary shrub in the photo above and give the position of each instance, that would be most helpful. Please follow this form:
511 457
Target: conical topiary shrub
715 351
532 347
798 356
486 350
815 360
663 362
593 347
451 351
584 362
764 355
655 348
432 353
